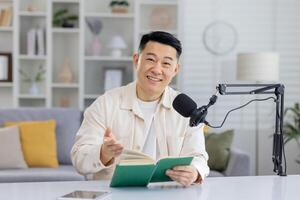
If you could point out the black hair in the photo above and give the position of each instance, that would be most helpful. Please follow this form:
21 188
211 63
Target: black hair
163 38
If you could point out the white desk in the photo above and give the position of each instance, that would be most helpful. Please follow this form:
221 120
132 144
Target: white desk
229 188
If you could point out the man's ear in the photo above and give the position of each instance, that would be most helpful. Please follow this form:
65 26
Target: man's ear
177 68
135 59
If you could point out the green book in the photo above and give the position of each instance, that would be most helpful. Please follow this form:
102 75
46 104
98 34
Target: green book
138 169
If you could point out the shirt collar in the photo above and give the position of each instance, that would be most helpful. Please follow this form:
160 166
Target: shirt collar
130 99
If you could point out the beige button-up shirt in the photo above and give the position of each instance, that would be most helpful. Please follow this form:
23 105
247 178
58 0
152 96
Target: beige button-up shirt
119 110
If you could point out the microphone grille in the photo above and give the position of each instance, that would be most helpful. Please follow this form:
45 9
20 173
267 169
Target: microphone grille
184 105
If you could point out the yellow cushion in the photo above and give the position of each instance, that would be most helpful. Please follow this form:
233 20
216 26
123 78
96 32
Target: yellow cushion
38 141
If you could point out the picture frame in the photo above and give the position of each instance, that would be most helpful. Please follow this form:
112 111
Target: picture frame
5 67
113 77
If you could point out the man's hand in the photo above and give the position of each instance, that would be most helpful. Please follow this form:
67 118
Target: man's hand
110 148
185 175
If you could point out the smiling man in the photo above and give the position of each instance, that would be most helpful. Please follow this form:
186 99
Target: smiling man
139 116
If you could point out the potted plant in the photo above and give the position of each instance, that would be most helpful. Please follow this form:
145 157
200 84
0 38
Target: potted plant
33 79
118 6
62 19
291 128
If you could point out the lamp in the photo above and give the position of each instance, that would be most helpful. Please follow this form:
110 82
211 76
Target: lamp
117 44
258 67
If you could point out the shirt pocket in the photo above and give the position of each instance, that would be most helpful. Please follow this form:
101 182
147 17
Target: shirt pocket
174 145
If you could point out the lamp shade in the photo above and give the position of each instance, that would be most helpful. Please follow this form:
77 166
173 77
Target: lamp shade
258 66
117 42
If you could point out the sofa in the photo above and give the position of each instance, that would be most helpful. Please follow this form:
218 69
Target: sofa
67 123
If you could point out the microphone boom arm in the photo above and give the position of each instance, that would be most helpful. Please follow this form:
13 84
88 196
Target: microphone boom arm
278 91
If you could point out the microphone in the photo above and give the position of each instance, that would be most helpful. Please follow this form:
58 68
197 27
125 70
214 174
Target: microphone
187 107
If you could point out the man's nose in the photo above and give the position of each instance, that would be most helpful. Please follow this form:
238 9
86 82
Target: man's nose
157 68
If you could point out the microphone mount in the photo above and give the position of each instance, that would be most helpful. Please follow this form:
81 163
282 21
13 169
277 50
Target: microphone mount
278 91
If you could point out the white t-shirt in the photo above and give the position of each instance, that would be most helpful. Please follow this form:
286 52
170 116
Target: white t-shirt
148 110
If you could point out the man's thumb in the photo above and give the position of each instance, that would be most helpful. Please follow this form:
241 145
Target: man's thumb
108 133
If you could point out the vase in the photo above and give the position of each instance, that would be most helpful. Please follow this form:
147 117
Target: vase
33 90
95 46
65 74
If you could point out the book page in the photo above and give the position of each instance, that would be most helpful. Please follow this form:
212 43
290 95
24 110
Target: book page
131 157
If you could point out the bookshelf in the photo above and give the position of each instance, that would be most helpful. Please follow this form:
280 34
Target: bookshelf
87 63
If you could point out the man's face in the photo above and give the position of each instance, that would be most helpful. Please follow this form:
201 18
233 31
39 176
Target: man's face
156 65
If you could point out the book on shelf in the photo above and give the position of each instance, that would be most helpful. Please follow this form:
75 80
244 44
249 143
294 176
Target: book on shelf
31 42
40 33
138 169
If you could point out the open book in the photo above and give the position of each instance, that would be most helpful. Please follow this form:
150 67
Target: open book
138 169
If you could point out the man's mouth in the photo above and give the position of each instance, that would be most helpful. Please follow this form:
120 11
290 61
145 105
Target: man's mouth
152 78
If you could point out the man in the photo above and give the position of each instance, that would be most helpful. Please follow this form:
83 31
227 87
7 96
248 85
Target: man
140 117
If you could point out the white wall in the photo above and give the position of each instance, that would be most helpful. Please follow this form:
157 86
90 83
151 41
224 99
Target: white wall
262 25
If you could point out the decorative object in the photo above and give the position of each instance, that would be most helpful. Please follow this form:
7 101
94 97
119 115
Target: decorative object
62 19
65 75
160 18
117 44
257 67
64 101
119 6
95 26
6 16
31 7
113 77
5 67
220 38
291 127
33 79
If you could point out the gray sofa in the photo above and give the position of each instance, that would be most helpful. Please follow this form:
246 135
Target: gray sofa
67 124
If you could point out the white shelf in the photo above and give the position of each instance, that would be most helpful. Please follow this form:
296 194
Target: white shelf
5 28
4 84
65 30
32 57
108 58
91 96
65 1
110 15
29 96
65 85
73 43
33 14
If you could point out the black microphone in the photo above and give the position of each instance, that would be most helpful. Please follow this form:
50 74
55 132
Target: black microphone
186 107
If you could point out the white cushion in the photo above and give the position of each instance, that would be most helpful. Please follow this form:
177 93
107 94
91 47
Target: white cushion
11 155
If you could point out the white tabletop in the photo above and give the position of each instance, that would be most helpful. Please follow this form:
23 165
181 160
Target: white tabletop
222 188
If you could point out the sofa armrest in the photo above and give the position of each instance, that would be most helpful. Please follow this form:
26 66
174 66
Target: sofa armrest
238 164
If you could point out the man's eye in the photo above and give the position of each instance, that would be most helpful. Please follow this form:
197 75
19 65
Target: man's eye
150 59
167 64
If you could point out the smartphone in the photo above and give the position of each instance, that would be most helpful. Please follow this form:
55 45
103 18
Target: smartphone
86 195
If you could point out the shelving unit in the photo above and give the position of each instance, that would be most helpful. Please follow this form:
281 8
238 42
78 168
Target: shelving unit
7 46
74 46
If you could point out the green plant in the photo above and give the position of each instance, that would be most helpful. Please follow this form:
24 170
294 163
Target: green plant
39 76
118 3
291 128
61 17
